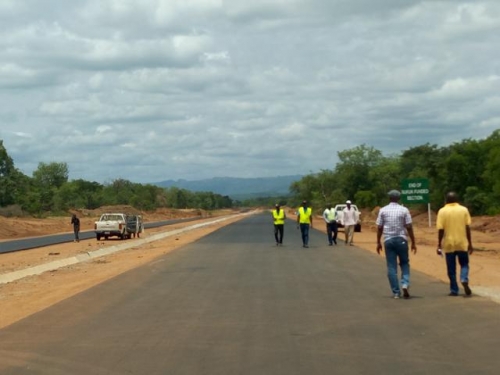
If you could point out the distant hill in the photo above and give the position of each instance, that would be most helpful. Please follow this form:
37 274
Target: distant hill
237 188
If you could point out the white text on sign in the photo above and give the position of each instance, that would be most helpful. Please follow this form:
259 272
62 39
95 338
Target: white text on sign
415 191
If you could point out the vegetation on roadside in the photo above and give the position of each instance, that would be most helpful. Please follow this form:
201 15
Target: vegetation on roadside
49 190
364 175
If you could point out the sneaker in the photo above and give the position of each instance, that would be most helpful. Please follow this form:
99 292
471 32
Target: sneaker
406 294
396 296
467 290
453 294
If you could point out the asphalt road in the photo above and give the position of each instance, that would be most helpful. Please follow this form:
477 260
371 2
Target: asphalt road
233 303
35 242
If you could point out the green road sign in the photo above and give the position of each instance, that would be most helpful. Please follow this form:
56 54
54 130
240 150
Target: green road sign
415 191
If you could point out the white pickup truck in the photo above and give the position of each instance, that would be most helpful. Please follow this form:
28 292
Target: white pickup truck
339 209
111 225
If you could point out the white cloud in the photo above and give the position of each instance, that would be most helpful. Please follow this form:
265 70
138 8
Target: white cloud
188 86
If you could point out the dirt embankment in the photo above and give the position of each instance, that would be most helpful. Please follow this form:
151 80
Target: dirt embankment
13 228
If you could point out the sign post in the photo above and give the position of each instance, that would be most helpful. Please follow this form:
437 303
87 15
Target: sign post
416 191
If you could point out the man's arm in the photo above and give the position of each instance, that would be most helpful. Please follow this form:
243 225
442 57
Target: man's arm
380 230
440 239
470 249
409 228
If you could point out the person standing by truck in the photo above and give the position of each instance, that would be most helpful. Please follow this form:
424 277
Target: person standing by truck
279 217
330 217
304 222
75 221
349 220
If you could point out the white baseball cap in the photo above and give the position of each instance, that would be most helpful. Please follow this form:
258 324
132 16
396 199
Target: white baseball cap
348 202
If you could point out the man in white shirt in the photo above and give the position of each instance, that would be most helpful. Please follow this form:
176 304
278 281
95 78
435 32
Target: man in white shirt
395 224
330 217
349 220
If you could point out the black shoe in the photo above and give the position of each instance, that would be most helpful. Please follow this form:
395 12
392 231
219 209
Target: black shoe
330 244
452 294
467 290
406 294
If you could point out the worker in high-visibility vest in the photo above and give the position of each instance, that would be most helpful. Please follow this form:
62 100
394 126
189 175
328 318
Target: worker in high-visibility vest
279 217
304 222
330 217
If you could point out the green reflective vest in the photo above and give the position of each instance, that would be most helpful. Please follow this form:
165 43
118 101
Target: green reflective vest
305 215
279 216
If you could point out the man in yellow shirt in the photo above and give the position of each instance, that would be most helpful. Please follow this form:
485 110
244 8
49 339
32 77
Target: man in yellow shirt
279 217
454 239
304 221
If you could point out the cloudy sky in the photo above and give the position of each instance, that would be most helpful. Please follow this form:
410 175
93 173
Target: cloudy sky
149 90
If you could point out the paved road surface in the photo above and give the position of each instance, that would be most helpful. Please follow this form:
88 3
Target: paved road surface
232 303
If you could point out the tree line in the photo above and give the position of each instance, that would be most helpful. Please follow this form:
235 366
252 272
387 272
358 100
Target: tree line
49 190
363 174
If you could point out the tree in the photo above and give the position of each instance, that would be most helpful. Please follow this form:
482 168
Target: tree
354 168
307 188
47 179
491 176
51 175
384 176
78 194
7 182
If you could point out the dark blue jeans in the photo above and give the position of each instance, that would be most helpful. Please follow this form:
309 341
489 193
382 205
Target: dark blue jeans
304 231
396 248
332 231
451 265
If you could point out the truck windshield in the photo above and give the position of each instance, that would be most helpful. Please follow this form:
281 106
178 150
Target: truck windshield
111 218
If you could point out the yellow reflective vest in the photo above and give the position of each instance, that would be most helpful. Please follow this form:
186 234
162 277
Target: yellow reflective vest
279 217
305 215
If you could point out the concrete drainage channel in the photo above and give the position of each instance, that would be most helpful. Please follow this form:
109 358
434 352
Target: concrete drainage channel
37 270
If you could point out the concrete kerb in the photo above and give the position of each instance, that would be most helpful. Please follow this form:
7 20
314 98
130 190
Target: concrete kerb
488 292
51 266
